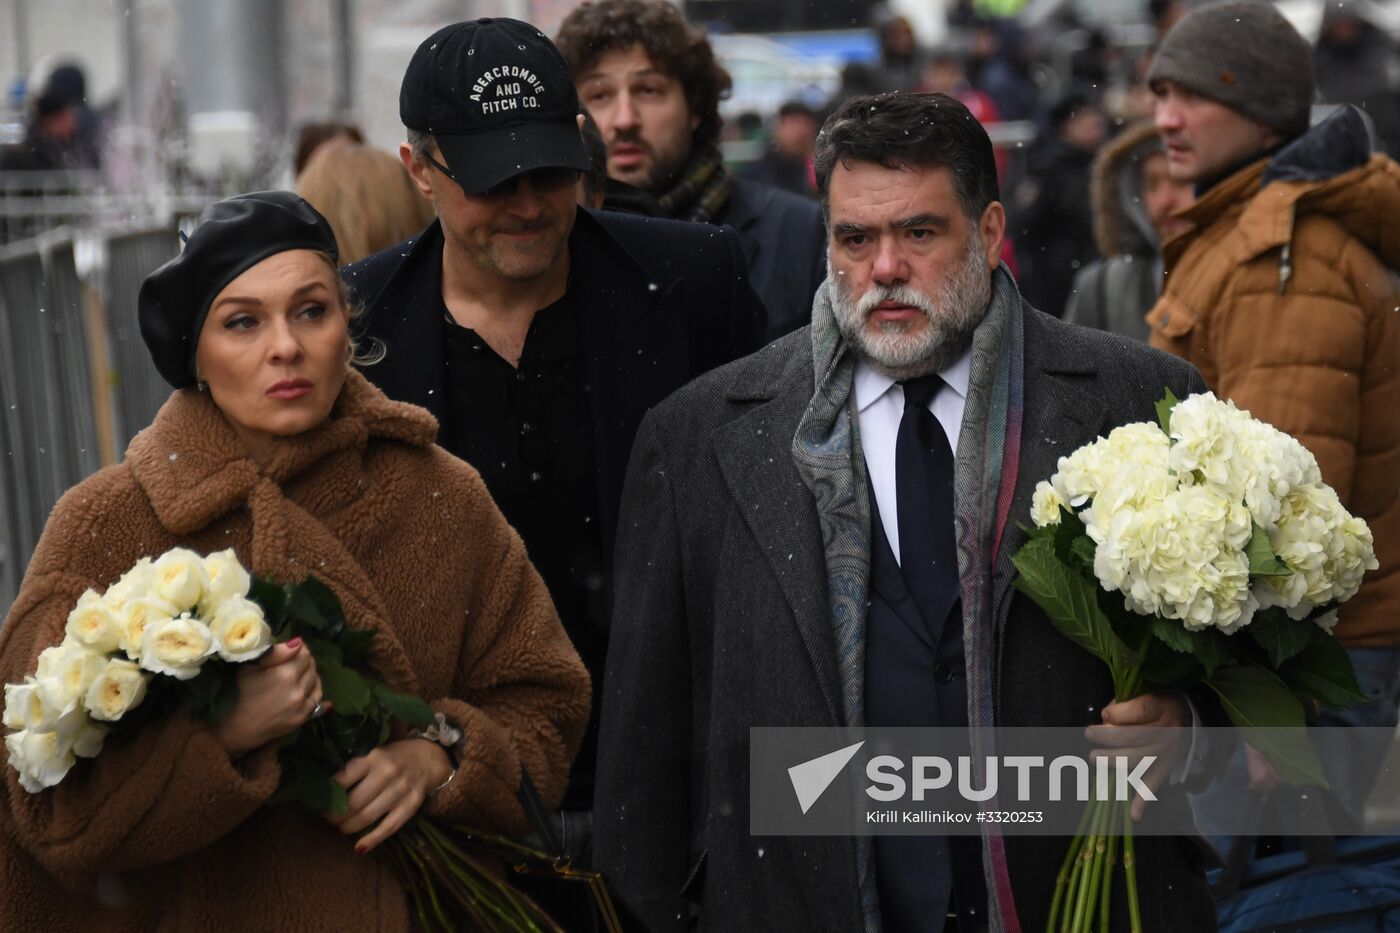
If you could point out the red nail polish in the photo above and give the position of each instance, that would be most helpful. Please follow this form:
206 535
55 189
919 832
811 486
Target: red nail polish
360 849
294 643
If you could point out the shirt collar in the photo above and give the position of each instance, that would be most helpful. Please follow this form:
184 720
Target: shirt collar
871 385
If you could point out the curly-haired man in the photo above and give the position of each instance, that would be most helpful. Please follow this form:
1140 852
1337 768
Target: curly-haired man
653 84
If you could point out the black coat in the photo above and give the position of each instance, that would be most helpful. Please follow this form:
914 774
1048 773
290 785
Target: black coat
722 623
666 301
785 246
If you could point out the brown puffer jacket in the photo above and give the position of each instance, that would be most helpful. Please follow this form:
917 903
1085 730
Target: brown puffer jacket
410 540
1283 297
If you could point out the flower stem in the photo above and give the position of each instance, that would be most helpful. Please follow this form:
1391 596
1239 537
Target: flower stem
1062 879
1093 856
1130 869
1075 874
1106 895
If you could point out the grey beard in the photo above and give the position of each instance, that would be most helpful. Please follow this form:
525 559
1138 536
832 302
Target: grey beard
953 311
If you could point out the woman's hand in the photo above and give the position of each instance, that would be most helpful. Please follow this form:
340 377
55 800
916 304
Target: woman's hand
275 696
389 785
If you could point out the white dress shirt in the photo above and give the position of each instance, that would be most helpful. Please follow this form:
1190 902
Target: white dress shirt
880 402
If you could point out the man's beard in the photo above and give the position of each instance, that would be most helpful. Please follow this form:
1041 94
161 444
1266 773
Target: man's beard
953 312
667 162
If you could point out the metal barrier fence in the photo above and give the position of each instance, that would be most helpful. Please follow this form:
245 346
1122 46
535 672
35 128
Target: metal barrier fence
75 380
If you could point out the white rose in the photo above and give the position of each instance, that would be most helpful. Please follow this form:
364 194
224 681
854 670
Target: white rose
241 632
36 705
19 700
1045 505
137 616
134 584
1327 621
65 671
80 733
41 758
227 579
178 647
93 624
178 577
118 689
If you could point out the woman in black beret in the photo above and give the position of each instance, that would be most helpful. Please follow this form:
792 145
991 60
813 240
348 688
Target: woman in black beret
273 445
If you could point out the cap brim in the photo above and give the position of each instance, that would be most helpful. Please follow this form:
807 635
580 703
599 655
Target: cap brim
481 160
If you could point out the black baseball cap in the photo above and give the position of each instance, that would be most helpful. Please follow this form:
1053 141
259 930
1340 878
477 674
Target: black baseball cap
498 98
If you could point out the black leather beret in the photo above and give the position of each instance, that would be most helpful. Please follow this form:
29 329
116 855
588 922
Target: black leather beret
230 237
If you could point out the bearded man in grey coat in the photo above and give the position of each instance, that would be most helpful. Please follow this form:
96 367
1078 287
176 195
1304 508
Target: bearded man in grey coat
820 535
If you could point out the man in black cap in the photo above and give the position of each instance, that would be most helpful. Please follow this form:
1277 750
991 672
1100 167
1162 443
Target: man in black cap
537 332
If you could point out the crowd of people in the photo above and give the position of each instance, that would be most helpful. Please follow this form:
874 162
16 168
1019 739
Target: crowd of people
578 404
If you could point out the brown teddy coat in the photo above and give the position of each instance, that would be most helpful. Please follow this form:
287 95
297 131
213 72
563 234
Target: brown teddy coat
408 537
1283 296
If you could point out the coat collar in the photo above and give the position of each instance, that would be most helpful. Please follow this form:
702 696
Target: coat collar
194 472
1063 411
194 469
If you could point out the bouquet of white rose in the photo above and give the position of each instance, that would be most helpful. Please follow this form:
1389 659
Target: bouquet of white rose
163 619
172 631
1201 550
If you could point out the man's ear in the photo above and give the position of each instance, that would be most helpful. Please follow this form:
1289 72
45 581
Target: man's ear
418 171
993 229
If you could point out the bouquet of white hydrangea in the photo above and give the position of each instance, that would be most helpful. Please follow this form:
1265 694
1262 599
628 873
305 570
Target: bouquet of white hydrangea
1203 550
165 617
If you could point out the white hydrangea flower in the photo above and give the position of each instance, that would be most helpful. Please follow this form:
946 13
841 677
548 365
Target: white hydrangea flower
1328 549
1045 505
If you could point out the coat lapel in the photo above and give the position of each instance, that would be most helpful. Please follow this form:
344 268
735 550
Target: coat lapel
414 366
755 457
1063 412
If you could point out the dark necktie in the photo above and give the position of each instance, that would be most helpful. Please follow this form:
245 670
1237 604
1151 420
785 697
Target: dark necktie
928 555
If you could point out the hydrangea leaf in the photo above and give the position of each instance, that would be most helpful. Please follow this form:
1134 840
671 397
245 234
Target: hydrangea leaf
1323 671
1068 598
1271 719
1164 411
1279 636
1262 560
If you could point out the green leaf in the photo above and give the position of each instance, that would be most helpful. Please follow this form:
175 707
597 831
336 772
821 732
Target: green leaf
323 649
1271 719
304 615
355 645
402 706
226 699
272 597
347 690
1164 411
1279 636
340 801
1211 649
1070 600
1166 670
327 604
1173 634
1262 560
1083 550
1323 671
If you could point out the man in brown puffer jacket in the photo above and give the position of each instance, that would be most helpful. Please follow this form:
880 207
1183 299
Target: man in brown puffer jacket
1282 293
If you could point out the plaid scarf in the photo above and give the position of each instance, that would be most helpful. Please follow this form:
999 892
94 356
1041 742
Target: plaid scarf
700 191
826 450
